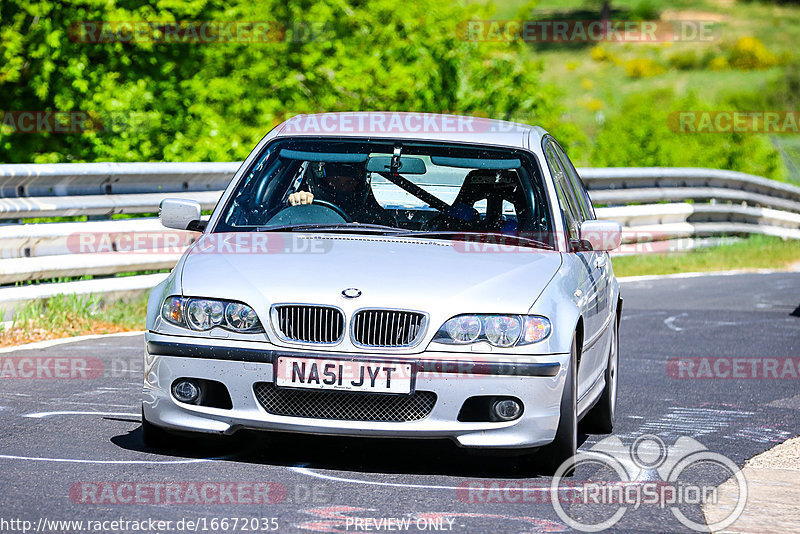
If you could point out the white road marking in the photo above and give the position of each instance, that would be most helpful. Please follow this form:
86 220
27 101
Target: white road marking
646 278
61 341
690 422
633 315
60 402
309 472
788 402
670 322
39 415
123 462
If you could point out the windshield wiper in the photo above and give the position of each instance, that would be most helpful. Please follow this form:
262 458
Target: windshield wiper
494 238
353 227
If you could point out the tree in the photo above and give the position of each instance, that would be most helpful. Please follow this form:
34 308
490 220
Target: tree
201 101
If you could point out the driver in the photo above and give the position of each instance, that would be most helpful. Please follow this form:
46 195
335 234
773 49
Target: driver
346 186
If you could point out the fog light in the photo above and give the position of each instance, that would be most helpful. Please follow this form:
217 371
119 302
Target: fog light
185 390
506 409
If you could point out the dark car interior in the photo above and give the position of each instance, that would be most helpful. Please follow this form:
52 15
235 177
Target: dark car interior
363 188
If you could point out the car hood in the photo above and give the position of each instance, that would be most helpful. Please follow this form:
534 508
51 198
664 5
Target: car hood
434 276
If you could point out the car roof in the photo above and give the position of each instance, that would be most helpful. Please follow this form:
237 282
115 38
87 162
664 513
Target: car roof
413 126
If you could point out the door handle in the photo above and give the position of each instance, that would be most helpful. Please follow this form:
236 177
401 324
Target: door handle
600 262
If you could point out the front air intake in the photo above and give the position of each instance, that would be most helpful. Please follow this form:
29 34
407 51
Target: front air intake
323 325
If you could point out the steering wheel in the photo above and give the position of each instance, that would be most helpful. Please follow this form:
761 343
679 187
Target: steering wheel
333 207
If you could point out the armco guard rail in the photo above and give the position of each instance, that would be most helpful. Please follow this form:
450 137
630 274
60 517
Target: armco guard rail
66 189
672 206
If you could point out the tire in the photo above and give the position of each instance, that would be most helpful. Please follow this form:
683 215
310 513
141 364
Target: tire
600 419
154 437
565 445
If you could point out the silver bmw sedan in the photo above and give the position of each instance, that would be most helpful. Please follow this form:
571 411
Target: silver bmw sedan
391 275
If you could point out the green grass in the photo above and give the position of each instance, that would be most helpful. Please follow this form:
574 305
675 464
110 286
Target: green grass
37 220
84 218
128 314
74 315
64 279
756 252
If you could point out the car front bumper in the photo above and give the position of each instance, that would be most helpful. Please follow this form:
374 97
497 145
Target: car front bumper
537 381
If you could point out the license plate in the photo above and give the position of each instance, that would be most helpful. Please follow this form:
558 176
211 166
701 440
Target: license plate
344 375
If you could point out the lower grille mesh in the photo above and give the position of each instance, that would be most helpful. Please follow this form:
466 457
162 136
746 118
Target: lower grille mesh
344 405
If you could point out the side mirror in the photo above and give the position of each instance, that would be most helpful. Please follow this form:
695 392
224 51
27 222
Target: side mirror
179 214
602 235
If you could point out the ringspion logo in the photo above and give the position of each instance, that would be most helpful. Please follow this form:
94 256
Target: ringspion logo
649 473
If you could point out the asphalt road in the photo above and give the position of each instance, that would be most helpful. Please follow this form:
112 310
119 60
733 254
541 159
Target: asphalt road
71 448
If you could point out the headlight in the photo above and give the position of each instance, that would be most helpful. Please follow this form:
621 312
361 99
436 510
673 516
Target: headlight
498 330
502 330
240 316
205 314
464 328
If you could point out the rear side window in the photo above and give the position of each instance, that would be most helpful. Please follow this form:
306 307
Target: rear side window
566 198
576 184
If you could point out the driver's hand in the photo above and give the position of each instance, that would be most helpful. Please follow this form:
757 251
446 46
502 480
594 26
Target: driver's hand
300 197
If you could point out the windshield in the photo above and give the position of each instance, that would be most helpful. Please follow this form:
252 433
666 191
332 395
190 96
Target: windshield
410 187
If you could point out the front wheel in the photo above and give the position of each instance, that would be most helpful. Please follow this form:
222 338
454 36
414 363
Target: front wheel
565 445
154 437
600 419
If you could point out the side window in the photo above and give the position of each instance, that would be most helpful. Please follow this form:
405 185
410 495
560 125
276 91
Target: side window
576 184
569 205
